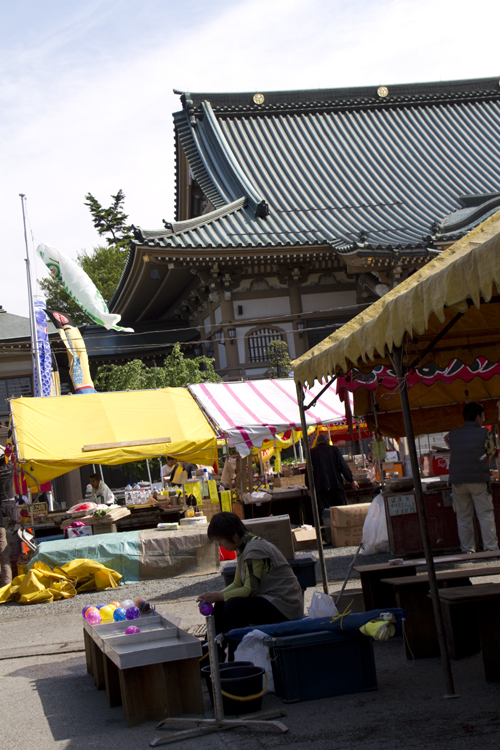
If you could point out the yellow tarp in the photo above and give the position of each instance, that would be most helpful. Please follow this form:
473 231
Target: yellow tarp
50 433
418 309
41 584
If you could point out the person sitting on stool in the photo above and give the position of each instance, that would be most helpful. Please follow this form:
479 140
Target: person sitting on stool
265 589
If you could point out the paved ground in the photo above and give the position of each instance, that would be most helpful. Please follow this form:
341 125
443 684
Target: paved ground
49 701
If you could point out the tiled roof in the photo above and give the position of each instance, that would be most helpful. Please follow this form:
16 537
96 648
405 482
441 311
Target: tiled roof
349 168
13 327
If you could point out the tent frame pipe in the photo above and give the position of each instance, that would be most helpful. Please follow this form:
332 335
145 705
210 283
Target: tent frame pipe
316 398
397 362
312 486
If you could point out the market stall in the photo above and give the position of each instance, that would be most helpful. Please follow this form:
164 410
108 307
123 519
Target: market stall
447 310
54 435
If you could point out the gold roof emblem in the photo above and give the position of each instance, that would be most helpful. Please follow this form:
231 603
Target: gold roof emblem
258 98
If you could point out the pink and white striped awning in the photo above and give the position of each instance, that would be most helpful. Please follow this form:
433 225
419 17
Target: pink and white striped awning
250 412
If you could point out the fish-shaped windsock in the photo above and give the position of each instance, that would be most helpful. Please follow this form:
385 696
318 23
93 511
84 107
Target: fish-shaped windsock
80 287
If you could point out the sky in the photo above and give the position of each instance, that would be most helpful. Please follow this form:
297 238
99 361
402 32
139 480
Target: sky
86 91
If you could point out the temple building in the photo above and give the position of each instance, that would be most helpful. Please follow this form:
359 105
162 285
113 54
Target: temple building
297 209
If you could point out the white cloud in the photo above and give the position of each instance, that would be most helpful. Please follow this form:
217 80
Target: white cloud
86 105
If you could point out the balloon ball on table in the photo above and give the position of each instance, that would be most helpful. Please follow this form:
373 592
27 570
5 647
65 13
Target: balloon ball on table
115 605
132 629
89 610
93 617
107 613
85 609
132 613
206 609
119 614
126 603
100 606
144 607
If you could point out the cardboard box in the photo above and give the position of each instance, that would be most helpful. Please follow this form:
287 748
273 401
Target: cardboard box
104 528
293 481
78 531
305 539
275 529
349 515
347 536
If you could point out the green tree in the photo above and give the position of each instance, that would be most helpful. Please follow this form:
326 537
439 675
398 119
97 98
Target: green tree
279 360
104 265
111 221
177 371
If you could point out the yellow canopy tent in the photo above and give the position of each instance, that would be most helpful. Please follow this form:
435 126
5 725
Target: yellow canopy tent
447 310
451 298
56 434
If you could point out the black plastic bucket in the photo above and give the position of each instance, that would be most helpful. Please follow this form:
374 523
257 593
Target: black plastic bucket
205 671
240 681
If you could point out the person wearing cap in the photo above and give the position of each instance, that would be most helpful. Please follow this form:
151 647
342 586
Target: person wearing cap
470 479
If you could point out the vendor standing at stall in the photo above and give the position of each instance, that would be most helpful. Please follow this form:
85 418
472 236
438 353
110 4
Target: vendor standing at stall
470 479
101 494
329 470
265 589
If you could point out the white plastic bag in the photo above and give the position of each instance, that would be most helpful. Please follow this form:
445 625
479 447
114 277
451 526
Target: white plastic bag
322 605
253 649
375 537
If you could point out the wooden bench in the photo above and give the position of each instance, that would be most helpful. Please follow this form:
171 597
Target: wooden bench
412 595
376 594
481 604
147 693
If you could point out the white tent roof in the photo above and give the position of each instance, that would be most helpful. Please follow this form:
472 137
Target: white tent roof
255 410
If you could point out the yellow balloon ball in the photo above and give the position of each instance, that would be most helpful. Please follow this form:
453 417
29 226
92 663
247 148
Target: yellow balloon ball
107 613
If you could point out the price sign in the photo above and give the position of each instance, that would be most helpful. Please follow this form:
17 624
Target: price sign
225 499
194 488
401 505
212 489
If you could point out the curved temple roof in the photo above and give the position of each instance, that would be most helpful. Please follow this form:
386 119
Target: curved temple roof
367 171
342 167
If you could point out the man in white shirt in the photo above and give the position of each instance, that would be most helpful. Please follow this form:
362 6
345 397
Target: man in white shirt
101 493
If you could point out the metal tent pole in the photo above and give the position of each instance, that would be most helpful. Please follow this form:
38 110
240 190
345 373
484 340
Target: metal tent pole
37 374
312 487
397 360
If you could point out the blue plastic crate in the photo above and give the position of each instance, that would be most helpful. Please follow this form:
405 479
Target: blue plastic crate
322 665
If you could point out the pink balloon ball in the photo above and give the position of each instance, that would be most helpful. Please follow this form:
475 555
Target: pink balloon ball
132 629
94 618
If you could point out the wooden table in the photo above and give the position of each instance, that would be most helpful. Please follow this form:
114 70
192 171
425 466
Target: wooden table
412 595
376 594
146 693
472 613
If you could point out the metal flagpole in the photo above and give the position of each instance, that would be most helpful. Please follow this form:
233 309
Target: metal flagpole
397 361
37 375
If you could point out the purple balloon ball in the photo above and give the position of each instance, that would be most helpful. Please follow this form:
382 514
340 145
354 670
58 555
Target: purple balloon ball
132 629
133 613
119 614
85 609
206 609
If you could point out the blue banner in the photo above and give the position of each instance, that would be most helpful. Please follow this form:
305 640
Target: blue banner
43 351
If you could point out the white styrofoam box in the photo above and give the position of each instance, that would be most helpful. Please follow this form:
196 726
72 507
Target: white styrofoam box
73 531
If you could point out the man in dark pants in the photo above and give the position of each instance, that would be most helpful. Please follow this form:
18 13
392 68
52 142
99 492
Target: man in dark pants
329 469
6 493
